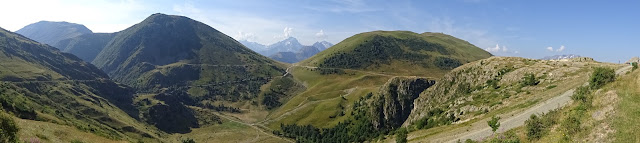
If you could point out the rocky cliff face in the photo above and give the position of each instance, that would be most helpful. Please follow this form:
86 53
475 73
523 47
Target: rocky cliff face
394 100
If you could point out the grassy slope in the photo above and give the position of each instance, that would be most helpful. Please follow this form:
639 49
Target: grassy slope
626 118
227 132
612 118
417 52
136 55
86 46
573 75
322 98
59 88
31 130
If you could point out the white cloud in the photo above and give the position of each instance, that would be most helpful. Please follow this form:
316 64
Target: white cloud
287 32
246 36
516 52
497 49
550 48
561 49
321 36
556 50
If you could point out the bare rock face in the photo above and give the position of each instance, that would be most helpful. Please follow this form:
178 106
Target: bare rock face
394 100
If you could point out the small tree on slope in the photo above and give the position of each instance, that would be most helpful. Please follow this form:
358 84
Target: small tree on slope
494 123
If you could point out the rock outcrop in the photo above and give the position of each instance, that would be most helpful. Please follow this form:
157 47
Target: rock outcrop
394 101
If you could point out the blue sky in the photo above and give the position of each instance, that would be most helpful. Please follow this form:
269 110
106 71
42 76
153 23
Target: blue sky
606 30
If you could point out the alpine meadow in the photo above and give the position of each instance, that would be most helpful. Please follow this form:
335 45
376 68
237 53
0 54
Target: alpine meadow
319 71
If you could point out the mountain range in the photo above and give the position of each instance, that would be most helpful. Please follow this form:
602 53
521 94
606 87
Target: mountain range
49 32
68 37
561 57
288 50
170 78
40 83
176 72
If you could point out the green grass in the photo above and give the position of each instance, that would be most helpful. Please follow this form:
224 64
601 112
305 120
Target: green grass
227 132
506 100
327 89
627 117
399 53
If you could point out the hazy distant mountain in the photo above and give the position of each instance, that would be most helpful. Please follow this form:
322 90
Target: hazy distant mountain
287 57
288 50
323 45
291 57
86 46
560 57
51 33
257 47
288 45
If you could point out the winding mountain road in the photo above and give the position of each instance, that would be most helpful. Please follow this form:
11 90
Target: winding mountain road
513 121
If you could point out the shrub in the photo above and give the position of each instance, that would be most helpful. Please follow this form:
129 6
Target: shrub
464 88
571 125
188 140
8 129
470 141
529 80
508 137
447 63
635 66
493 83
601 76
494 123
535 127
581 94
401 137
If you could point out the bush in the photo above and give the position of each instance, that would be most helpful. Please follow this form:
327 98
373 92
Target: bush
529 80
508 137
494 123
572 125
582 94
188 140
601 76
635 66
447 63
535 127
401 137
8 129
493 83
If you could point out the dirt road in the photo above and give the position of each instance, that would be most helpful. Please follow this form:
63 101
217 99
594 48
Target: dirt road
509 122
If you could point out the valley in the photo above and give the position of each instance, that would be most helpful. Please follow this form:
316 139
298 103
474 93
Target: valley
171 78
